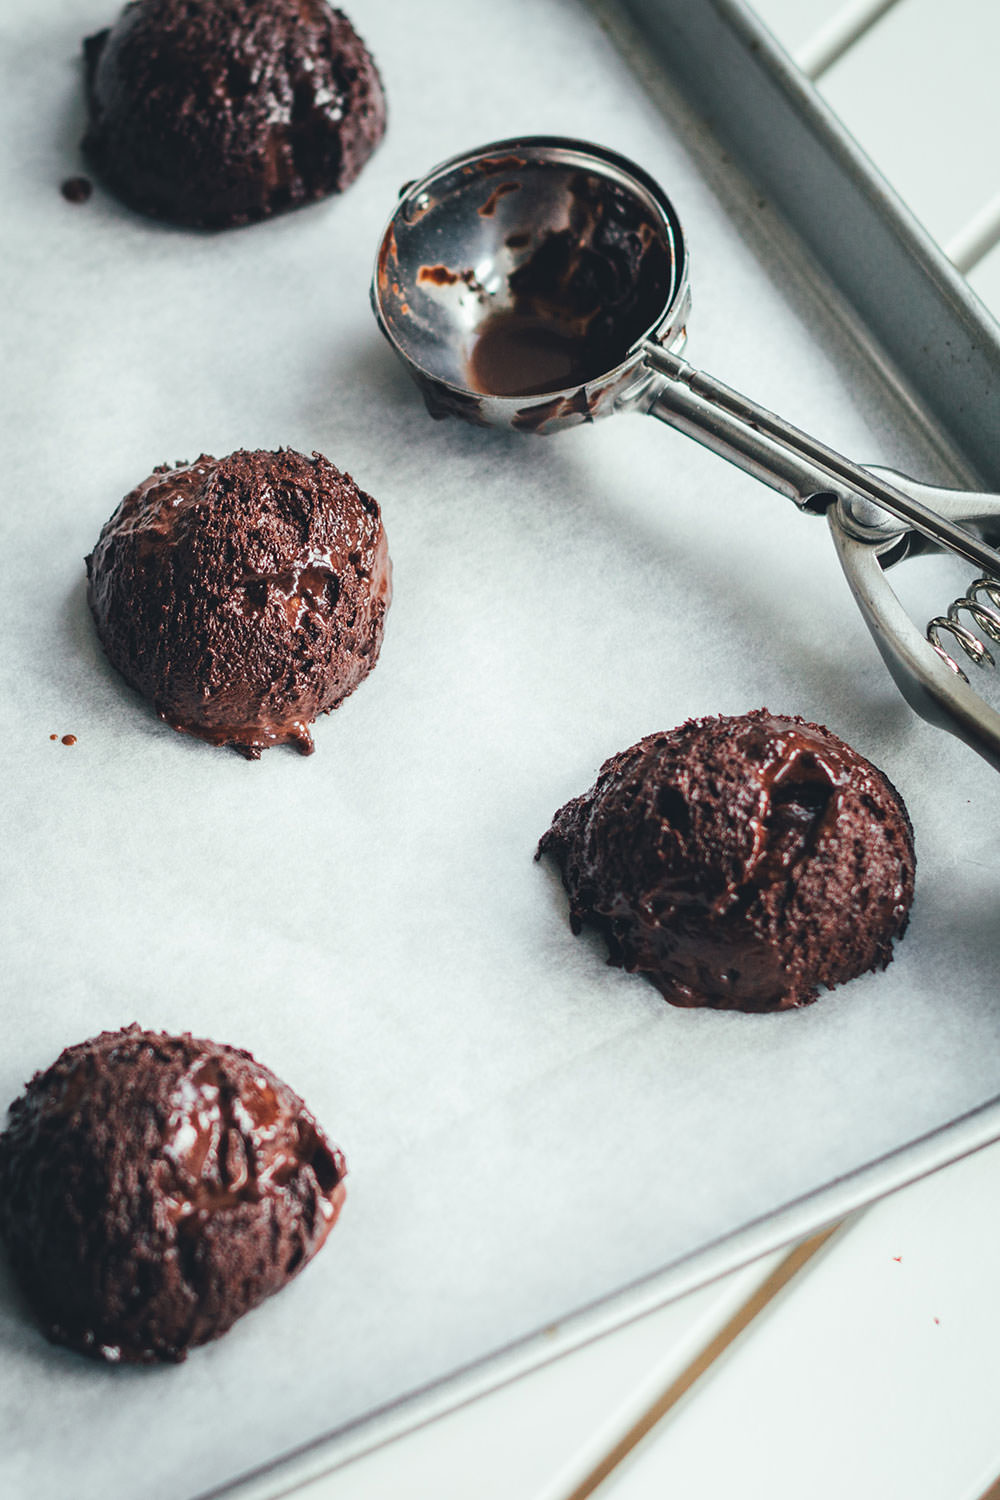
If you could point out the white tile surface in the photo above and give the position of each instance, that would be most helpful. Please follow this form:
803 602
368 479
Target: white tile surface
985 281
795 22
919 94
514 1441
872 1376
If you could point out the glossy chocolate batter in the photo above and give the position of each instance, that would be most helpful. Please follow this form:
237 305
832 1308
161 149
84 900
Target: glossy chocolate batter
243 595
218 112
578 302
739 863
155 1188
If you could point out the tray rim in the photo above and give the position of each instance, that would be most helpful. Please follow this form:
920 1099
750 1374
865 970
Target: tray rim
935 339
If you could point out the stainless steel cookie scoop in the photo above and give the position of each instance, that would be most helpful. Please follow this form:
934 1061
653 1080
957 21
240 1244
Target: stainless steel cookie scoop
534 284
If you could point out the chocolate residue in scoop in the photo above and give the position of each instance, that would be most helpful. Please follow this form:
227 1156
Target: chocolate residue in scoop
489 208
580 301
155 1188
520 354
739 863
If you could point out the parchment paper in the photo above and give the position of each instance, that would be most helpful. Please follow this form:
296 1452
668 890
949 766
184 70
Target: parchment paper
526 1128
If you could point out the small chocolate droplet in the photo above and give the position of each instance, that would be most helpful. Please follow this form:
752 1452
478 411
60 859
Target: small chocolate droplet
76 189
69 739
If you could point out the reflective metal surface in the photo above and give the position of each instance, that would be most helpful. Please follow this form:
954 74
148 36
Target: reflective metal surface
930 680
458 237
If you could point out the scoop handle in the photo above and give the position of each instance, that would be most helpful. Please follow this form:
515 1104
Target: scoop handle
787 459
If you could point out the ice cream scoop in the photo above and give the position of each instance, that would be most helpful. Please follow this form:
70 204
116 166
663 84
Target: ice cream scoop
536 283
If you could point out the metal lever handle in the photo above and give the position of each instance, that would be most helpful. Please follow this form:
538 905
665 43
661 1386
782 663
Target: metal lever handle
926 678
789 460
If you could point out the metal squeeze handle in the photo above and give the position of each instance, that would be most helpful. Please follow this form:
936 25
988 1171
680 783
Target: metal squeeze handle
787 459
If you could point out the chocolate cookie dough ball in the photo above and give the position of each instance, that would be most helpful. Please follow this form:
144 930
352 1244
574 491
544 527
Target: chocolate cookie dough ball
243 595
218 112
739 863
155 1188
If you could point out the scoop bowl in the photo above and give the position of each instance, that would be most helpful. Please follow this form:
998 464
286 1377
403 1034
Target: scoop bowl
519 283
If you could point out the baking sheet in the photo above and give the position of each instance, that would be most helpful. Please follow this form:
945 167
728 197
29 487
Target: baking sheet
527 1130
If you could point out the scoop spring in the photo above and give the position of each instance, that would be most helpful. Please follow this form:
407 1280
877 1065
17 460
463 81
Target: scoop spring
985 616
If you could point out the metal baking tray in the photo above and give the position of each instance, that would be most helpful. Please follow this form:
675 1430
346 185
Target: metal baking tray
539 1148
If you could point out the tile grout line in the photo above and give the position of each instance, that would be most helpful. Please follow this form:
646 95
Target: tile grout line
780 1277
848 26
976 238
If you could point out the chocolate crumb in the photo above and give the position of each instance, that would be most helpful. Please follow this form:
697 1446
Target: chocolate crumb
76 189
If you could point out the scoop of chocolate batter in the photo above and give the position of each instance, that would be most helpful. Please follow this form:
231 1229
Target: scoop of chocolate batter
739 863
244 595
218 112
155 1188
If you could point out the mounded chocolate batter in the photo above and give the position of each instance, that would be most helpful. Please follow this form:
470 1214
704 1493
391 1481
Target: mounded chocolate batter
155 1188
739 863
218 112
243 595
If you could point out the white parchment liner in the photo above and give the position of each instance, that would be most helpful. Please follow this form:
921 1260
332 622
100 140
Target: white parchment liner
526 1129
